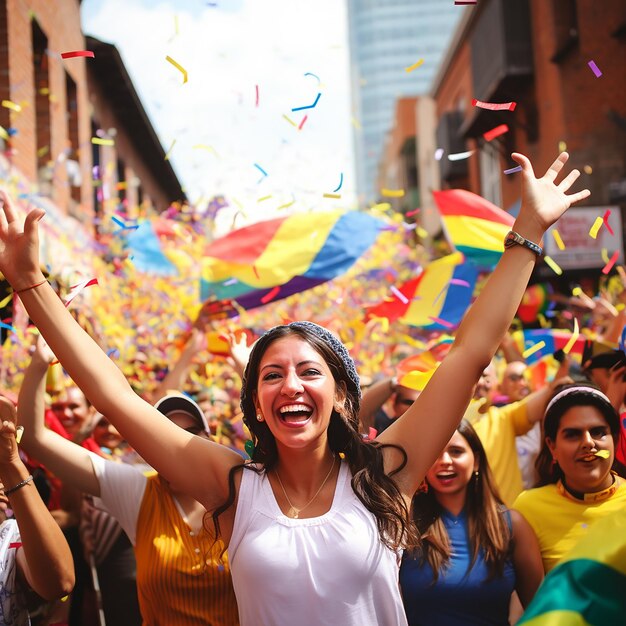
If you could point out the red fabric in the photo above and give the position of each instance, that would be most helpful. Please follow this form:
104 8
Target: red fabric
620 452
463 202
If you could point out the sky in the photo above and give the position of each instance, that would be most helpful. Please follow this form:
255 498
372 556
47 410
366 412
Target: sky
289 50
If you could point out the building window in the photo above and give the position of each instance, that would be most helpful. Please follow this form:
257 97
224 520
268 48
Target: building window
489 163
42 108
121 183
74 177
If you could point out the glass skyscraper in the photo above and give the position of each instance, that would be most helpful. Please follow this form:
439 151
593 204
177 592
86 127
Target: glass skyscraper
387 36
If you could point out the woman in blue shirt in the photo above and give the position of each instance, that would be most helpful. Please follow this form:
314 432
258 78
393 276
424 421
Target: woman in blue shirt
474 551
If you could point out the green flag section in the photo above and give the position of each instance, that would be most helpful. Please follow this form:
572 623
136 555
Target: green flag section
588 588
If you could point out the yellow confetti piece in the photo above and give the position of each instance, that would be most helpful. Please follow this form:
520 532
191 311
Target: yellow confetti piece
290 120
6 300
9 104
562 146
603 454
392 193
414 66
593 232
577 291
179 67
558 240
287 205
4 134
422 232
44 91
620 306
543 322
356 123
533 349
264 198
335 196
605 255
43 151
572 340
588 169
19 431
97 141
552 264
167 154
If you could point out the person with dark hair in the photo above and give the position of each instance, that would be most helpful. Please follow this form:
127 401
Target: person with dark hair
315 522
577 486
474 552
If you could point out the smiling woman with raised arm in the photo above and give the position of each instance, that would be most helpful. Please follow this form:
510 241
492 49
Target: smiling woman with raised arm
315 524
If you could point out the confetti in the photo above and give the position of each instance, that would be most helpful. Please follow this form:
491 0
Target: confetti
270 295
372 432
304 119
552 264
414 66
77 53
314 75
286 206
533 349
76 289
588 169
459 281
558 240
340 182
9 104
335 196
595 69
572 340
179 67
97 141
264 198
496 132
19 431
256 99
412 213
593 231
398 294
605 219
603 454
167 154
4 134
513 170
459 156
309 106
441 322
461 2
562 146
8 327
438 154
607 268
392 193
260 169
256 272
494 106
290 121
43 151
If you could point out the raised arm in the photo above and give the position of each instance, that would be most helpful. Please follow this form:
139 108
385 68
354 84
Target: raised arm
44 559
67 460
425 428
162 444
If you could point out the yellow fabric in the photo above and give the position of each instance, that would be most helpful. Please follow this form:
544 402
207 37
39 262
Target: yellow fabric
180 581
497 428
560 522
558 618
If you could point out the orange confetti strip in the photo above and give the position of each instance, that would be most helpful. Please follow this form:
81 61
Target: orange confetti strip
533 349
609 266
270 295
597 225
558 240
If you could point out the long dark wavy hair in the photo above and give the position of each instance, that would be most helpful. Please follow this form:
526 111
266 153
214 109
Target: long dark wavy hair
581 395
374 488
488 528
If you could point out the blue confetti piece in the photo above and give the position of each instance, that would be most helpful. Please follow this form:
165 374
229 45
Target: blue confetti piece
340 183
310 106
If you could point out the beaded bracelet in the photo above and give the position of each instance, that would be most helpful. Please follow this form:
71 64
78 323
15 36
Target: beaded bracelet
19 485
31 287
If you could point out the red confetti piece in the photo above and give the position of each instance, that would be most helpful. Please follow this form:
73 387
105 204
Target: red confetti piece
444 323
609 266
496 132
372 433
495 106
256 273
270 295
605 219
76 289
304 119
411 213
17 544
77 53
256 102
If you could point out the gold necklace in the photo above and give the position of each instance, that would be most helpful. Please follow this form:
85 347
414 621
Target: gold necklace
293 511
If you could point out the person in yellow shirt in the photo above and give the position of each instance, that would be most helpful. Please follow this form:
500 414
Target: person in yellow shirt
581 428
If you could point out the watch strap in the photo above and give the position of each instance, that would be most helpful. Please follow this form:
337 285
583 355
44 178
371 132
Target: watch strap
512 238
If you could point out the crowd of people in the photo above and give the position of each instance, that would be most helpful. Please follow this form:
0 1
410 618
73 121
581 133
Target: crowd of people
323 500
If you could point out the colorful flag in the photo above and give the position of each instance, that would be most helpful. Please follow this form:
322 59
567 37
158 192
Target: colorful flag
473 225
146 252
553 339
587 587
276 258
436 299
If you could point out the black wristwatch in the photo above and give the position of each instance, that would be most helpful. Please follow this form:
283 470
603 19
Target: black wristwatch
515 239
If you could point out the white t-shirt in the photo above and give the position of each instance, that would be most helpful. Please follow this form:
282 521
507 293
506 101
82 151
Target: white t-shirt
331 569
13 610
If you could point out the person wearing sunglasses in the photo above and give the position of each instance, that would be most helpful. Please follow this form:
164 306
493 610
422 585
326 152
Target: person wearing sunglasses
181 580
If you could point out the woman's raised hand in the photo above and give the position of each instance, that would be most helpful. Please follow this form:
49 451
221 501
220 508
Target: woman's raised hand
19 245
544 200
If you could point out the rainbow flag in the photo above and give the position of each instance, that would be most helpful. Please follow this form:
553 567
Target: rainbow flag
276 258
587 587
436 299
473 225
553 338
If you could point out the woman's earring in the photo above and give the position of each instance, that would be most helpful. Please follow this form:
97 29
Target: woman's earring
259 417
476 474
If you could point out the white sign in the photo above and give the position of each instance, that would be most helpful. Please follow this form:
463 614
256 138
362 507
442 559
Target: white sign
582 251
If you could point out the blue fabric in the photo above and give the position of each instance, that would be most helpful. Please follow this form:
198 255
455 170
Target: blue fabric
459 597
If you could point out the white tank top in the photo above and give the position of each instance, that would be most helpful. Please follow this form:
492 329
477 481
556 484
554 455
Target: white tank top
331 569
